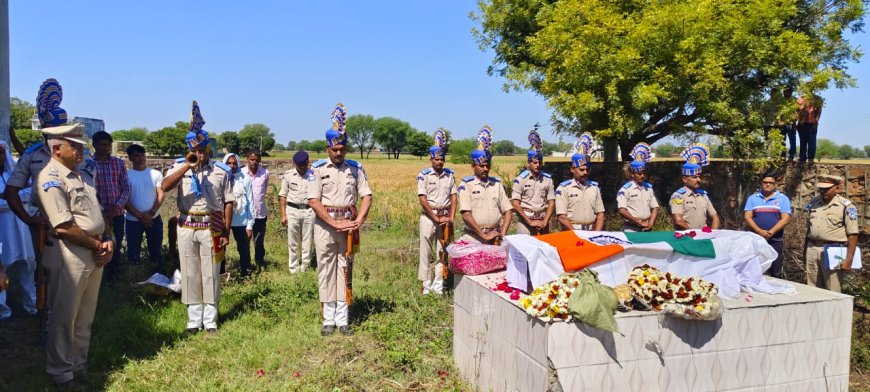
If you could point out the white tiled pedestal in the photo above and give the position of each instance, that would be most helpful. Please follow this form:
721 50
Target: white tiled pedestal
770 342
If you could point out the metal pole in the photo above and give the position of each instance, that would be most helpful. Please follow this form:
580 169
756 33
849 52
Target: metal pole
4 70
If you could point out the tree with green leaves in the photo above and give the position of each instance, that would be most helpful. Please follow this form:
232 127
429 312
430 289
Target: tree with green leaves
20 112
392 134
360 130
291 145
133 134
460 150
867 151
257 136
845 151
504 147
825 148
633 72
28 137
168 141
230 141
418 144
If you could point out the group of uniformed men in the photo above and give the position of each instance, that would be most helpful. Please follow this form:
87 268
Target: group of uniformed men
80 242
487 211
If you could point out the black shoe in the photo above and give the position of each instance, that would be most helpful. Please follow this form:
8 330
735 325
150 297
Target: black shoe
189 332
81 375
345 330
327 330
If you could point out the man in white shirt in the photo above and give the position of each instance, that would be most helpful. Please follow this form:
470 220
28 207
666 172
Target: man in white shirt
259 176
143 209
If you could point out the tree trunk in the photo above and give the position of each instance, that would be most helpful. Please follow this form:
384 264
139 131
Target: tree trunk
611 150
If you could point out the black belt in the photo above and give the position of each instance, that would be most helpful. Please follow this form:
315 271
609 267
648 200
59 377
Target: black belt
823 243
298 206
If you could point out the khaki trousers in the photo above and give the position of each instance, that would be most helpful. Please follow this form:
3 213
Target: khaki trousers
200 275
522 228
818 273
431 234
300 235
74 284
331 261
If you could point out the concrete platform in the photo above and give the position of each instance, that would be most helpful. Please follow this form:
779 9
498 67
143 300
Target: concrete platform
763 343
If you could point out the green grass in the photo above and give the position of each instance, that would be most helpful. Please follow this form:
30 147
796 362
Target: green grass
269 332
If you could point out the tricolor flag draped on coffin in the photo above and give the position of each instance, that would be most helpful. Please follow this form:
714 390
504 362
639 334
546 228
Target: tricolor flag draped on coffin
733 260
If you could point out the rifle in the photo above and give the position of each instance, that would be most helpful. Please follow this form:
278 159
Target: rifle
442 254
41 285
348 271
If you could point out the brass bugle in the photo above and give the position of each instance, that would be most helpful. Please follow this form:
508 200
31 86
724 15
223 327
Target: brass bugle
192 159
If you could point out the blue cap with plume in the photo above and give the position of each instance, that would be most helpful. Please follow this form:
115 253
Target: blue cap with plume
696 156
583 151
536 151
642 155
196 136
48 100
335 135
438 150
481 155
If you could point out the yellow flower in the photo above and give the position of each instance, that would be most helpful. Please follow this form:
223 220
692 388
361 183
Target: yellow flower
641 281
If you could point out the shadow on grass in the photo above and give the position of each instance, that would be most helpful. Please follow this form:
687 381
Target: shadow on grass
365 306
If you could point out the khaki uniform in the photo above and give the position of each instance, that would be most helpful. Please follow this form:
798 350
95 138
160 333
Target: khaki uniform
695 206
29 165
337 188
487 202
200 220
639 200
579 202
533 194
828 224
437 188
300 219
69 196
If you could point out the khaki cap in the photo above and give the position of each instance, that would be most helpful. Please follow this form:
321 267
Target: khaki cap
70 132
827 181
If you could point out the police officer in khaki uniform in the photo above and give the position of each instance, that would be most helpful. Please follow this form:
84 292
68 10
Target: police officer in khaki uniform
436 191
690 206
205 204
832 222
483 203
78 246
636 200
578 201
37 155
334 186
533 194
296 214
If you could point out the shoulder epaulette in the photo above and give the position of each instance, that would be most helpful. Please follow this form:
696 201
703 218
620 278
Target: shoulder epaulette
353 163
179 160
846 201
524 174
681 191
426 170
467 178
33 147
223 166
448 171
591 183
627 185
701 192
495 179
547 175
319 163
646 184
565 183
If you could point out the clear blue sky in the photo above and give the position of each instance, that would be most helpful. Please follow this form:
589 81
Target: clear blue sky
285 64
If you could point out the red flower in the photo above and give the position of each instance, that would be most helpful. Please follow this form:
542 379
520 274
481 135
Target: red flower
261 372
707 229
677 234
443 373
296 374
515 295
692 234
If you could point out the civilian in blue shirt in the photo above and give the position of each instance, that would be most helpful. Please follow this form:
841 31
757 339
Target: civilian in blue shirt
766 213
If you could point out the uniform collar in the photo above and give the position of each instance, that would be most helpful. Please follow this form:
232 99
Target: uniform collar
775 193
62 170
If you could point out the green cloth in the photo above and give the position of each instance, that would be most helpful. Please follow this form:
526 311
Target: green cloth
593 303
685 244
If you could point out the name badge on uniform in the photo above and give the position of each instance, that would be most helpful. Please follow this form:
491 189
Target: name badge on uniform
50 184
